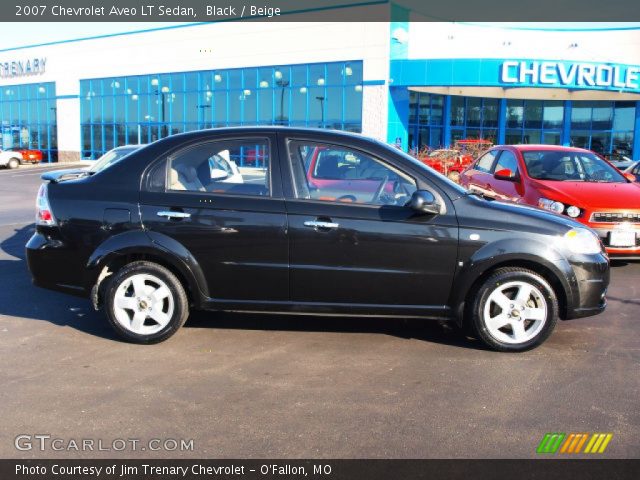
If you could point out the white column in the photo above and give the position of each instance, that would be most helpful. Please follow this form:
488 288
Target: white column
68 119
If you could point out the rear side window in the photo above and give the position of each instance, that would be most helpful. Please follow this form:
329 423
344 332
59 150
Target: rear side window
485 162
507 160
234 167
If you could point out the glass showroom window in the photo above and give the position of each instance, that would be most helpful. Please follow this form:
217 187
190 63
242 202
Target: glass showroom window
534 122
141 109
604 127
473 117
28 118
425 121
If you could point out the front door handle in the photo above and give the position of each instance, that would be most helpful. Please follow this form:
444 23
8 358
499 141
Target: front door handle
176 215
320 224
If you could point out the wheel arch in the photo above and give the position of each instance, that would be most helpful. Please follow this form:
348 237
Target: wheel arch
128 247
554 269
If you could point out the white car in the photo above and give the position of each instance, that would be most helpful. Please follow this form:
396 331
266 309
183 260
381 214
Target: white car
10 159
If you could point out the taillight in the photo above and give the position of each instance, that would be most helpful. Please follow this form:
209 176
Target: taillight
44 215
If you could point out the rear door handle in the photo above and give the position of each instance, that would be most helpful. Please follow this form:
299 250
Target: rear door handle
320 224
176 215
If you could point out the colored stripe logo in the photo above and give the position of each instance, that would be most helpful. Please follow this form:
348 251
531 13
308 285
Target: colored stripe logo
556 442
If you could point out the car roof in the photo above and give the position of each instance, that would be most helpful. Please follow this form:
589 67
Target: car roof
130 147
556 148
273 129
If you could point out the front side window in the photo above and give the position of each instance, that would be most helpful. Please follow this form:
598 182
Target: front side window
570 166
486 162
212 167
507 161
339 174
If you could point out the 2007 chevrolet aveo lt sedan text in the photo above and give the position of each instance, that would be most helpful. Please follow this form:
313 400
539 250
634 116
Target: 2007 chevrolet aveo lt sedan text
370 232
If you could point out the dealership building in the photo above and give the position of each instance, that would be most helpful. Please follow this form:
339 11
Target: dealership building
407 82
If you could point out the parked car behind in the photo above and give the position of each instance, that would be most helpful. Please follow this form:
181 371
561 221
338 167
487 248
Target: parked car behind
109 158
13 158
622 163
148 246
451 162
29 155
633 169
10 158
572 182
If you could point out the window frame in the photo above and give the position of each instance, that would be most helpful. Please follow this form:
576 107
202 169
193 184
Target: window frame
293 196
496 154
166 159
501 152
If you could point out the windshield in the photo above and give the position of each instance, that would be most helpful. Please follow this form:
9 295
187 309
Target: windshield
110 158
569 166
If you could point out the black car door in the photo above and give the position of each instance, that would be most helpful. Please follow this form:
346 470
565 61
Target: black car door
353 242
232 220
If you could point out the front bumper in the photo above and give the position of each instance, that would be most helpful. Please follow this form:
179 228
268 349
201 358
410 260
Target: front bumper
592 281
629 253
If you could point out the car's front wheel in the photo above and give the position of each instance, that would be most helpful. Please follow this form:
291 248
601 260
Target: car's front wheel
13 163
514 309
145 302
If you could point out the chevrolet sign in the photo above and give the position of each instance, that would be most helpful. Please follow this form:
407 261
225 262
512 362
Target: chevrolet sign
570 75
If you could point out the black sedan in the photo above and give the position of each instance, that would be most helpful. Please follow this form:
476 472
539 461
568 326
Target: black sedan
325 223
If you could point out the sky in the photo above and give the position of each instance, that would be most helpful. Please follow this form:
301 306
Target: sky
13 34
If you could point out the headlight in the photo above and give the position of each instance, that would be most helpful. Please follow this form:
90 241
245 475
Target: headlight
559 207
552 205
573 211
581 240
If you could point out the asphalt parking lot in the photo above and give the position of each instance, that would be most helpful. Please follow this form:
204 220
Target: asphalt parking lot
257 386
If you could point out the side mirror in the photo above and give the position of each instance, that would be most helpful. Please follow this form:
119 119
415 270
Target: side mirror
424 201
505 174
217 174
631 177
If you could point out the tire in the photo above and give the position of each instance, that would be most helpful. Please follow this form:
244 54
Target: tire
514 310
13 163
454 176
145 303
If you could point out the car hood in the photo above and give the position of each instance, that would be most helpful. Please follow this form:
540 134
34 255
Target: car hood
512 216
592 194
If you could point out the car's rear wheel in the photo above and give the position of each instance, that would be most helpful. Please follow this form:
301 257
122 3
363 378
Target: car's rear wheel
514 310
13 163
145 302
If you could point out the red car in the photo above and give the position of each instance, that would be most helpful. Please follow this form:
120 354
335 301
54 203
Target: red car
30 156
568 181
451 162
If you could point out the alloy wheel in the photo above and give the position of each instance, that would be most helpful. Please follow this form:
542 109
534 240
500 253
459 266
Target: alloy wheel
143 304
515 312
